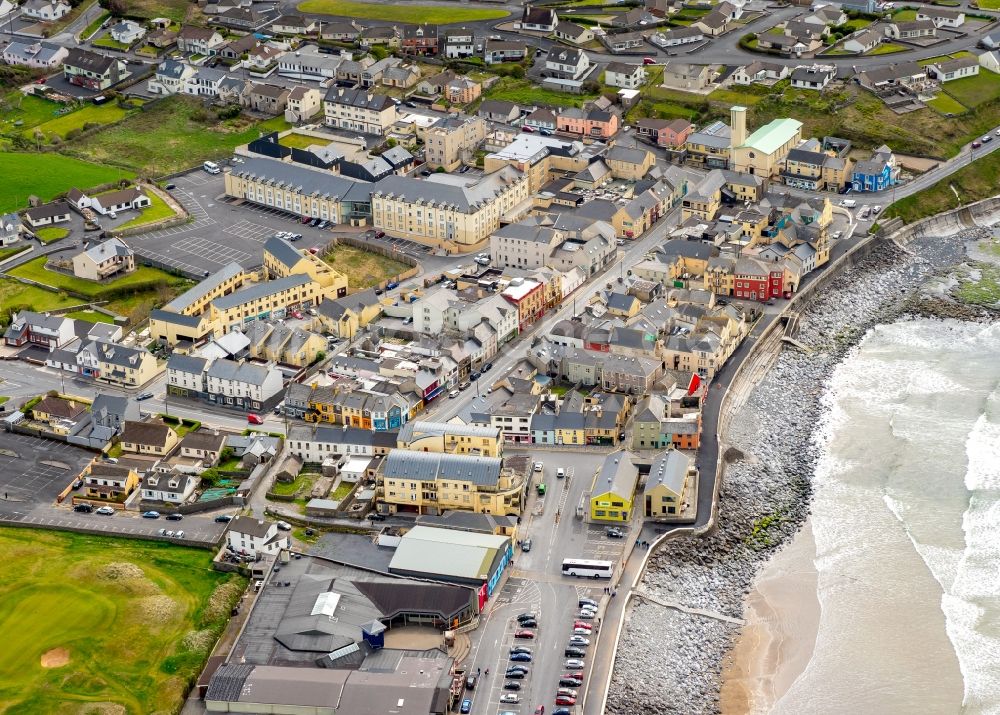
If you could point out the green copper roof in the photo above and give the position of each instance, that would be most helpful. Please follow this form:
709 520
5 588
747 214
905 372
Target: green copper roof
772 135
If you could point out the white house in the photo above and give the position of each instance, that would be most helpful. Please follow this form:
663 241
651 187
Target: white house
115 201
863 41
172 488
942 16
250 536
39 55
127 32
539 19
170 78
626 76
45 10
47 214
815 77
10 229
990 61
321 443
954 69
242 384
566 63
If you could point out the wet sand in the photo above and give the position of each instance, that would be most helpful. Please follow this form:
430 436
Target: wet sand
782 618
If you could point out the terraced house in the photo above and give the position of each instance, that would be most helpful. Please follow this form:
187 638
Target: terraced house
430 483
445 437
359 110
366 409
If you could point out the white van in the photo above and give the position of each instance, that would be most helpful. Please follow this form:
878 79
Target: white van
848 203
211 167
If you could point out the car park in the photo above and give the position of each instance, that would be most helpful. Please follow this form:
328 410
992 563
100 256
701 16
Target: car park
527 616
83 508
579 640
572 652
615 533
150 515
540 710
581 631
571 682
574 663
106 511
174 517
517 671
512 684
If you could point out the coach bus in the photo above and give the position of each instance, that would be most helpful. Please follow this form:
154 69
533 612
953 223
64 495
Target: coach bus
587 568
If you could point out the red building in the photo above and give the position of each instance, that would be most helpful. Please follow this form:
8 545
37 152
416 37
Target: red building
754 280
420 40
529 297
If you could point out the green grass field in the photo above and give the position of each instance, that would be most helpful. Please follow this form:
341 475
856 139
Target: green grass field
522 91
30 111
887 48
109 43
176 134
976 90
95 25
157 211
15 295
299 141
946 105
989 4
176 10
121 626
90 315
904 16
48 175
141 276
90 114
49 234
364 268
416 14
944 58
13 250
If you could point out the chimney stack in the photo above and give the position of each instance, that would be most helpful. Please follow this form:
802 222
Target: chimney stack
738 120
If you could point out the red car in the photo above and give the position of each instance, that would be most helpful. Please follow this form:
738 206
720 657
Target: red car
380 234
297 314
524 634
583 624
565 700
527 129
255 419
648 61
540 710
578 675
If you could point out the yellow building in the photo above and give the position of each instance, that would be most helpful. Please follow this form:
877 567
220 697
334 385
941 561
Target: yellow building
186 317
154 438
277 342
541 158
613 489
447 209
282 259
109 482
670 479
445 437
705 200
628 163
452 141
261 301
116 364
431 482
59 413
344 317
763 152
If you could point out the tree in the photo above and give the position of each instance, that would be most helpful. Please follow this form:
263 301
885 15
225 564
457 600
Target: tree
517 72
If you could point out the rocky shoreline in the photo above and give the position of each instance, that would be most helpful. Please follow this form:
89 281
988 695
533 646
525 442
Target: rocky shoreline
671 662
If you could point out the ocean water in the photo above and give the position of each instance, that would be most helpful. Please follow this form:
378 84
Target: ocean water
906 515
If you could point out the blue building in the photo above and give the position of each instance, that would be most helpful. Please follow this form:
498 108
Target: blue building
877 174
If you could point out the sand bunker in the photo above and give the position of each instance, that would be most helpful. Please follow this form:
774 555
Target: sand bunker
55 658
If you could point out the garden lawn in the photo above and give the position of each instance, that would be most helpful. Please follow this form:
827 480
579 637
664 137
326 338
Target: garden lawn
15 296
91 316
944 58
364 269
30 111
107 113
50 234
130 623
416 14
886 48
6 253
142 278
946 105
978 180
857 23
176 134
522 91
904 16
975 90
157 211
176 10
299 141
48 175
988 4
109 43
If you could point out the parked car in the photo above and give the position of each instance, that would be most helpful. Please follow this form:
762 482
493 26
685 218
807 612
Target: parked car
517 671
587 615
150 515
574 663
526 544
179 535
512 684
83 508
570 682
380 234
223 519
528 624
539 466
314 222
174 517
170 187
648 61
528 130
581 632
561 711
510 698
143 396
586 602
572 652
520 657
255 419
581 624
284 525
78 483
106 511
527 616
520 650
560 473
540 710
615 533
579 640
323 224
375 516
466 706
567 691
565 700
525 633
453 394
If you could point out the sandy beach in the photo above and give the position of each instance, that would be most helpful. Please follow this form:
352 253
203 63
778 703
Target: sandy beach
782 618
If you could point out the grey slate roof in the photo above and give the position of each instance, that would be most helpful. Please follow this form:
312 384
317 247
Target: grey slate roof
283 251
429 466
467 198
310 182
260 290
248 373
670 469
194 293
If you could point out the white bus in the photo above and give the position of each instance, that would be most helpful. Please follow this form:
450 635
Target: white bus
587 568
